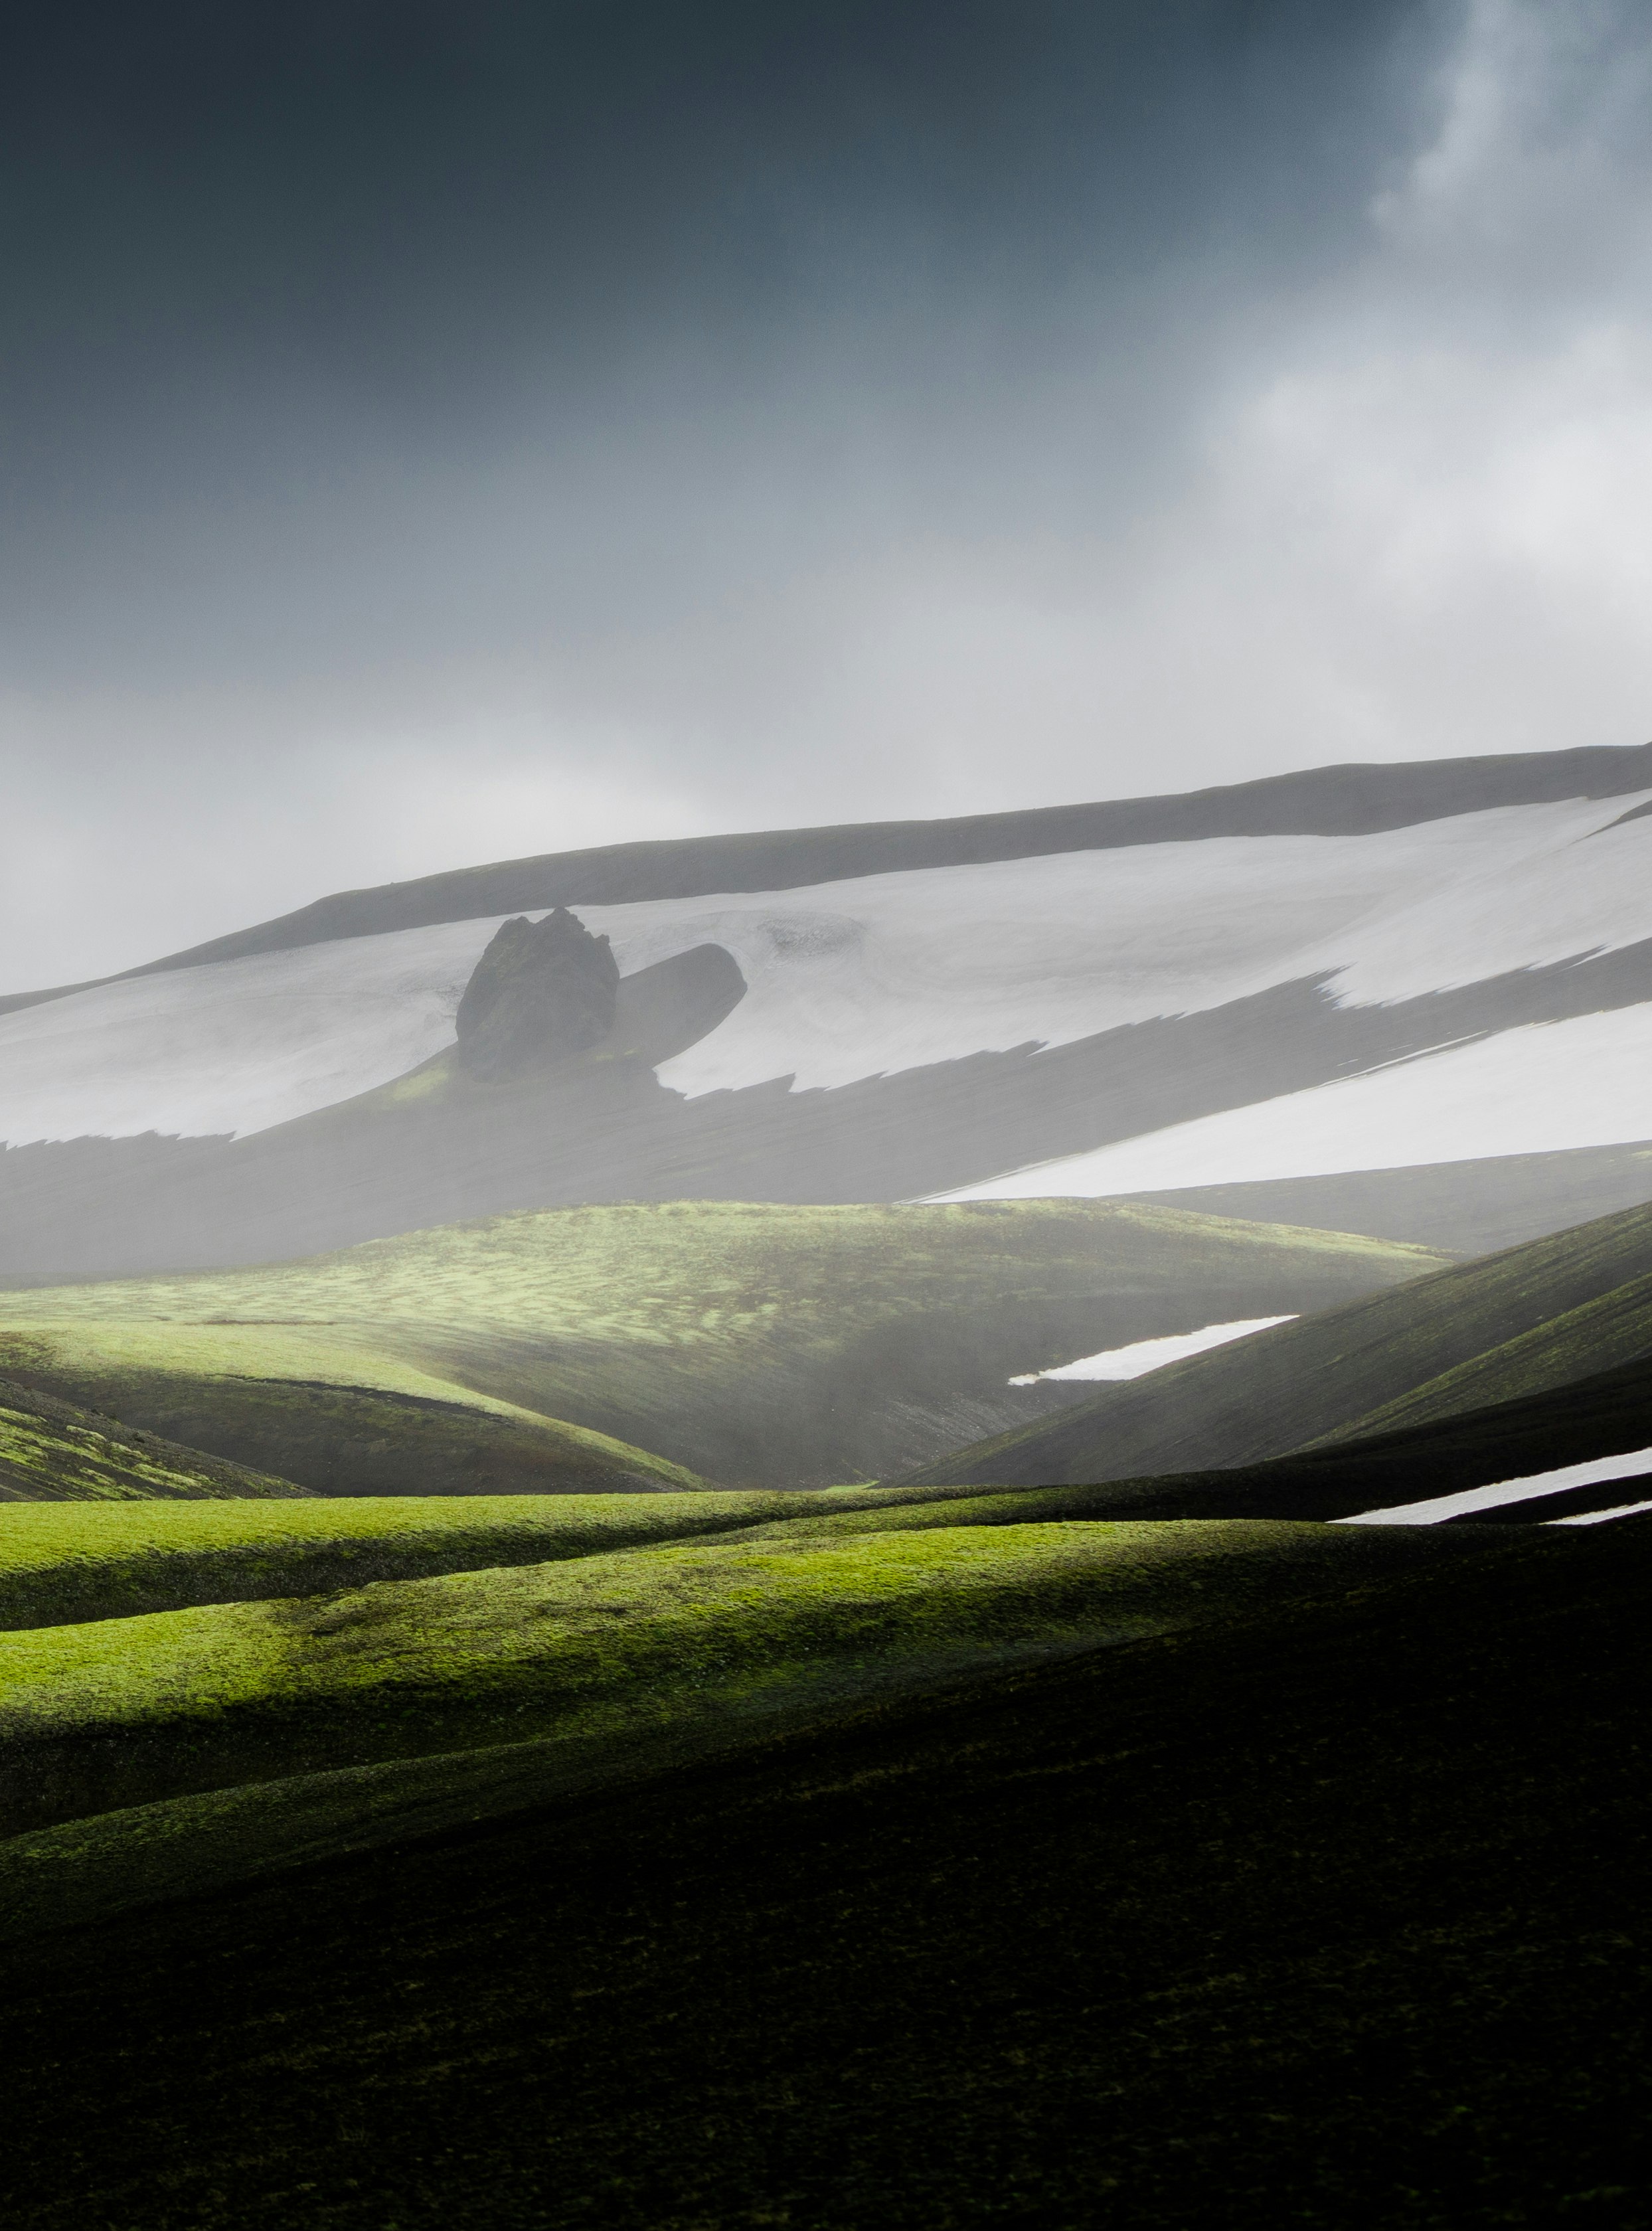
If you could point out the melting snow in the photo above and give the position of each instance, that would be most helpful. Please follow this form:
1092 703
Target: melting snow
1144 1355
1503 1492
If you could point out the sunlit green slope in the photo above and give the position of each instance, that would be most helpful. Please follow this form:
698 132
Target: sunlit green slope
336 1413
594 1654
64 1562
741 1342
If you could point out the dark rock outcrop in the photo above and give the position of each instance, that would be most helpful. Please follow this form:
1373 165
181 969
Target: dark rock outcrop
541 991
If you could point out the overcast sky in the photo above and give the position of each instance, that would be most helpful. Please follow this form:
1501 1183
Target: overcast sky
437 432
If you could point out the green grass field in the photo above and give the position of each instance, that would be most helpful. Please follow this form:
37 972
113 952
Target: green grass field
598 1651
64 1562
335 1413
1332 1916
743 1343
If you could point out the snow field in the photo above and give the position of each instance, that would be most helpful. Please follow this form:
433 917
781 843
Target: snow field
1499 1493
872 975
237 1045
1583 1083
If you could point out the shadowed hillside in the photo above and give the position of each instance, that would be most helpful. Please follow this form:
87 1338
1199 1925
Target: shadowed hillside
52 1451
1541 1315
1217 1923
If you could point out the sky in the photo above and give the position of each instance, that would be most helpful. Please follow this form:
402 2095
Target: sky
431 434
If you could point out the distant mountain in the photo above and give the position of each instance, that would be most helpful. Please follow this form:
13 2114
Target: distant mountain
1544 1316
1410 999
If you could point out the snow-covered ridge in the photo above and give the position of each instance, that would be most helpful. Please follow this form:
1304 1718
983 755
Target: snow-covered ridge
1538 1089
853 979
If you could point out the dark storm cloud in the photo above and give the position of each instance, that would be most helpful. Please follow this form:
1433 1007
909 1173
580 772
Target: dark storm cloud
276 276
438 432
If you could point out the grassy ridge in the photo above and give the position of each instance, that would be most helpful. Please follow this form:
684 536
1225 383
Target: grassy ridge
1615 1330
745 1342
598 1651
52 1452
337 1414
1541 1314
60 1564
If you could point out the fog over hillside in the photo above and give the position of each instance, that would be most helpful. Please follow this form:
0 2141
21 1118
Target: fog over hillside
1465 988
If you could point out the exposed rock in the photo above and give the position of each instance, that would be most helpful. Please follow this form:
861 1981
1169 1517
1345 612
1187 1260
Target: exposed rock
541 991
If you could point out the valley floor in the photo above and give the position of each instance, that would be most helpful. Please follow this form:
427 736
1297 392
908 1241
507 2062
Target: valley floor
1334 1920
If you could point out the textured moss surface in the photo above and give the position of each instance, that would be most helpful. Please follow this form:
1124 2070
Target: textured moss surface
743 1342
614 1646
52 1452
1333 1919
340 1415
62 1562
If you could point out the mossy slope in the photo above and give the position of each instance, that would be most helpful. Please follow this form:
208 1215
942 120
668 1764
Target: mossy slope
1333 1919
62 1564
605 1650
744 1342
335 1415
1535 1317
51 1451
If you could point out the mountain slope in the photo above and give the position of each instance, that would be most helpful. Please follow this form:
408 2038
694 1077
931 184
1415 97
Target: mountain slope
1403 969
745 1342
332 1412
1351 800
1577 1299
1606 1415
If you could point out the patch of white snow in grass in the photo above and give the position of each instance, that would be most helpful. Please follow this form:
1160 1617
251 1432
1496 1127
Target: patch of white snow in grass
1503 1492
1144 1355
1586 1082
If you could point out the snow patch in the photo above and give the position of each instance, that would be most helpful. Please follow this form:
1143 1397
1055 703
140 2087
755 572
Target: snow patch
1144 1355
1503 1492
238 1045
1586 1082
1599 1517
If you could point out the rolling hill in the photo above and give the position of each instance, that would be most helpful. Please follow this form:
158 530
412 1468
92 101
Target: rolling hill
340 1416
738 1341
1543 1315
1379 974
1335 1914
587 1655
52 1451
